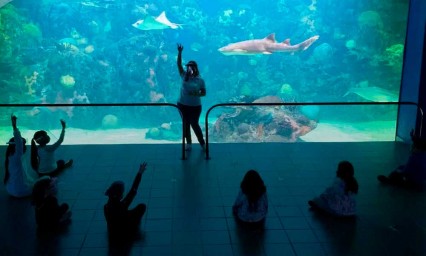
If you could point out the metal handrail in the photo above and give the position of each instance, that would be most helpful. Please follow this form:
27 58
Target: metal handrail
109 105
302 104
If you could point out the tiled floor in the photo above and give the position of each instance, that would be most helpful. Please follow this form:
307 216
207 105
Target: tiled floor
189 202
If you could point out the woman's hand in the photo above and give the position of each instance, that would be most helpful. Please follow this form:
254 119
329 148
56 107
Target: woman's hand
179 48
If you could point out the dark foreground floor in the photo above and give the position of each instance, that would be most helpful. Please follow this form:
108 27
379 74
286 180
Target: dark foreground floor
189 202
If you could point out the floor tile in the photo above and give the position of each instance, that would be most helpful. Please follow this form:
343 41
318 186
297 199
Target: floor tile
189 202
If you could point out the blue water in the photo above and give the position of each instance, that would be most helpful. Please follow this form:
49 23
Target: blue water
360 45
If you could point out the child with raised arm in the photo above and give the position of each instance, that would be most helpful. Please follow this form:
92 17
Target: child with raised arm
339 198
120 220
43 156
17 180
49 214
251 205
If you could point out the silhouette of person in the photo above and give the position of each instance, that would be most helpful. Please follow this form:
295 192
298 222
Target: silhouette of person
413 173
49 214
121 221
339 198
251 204
43 156
189 103
18 182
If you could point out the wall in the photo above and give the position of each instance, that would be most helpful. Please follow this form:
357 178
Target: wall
413 82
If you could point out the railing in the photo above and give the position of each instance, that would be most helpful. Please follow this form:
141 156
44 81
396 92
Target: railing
215 106
302 104
108 105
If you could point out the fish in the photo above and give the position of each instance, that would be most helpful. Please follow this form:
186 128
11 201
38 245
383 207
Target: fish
196 47
4 2
375 94
151 23
267 45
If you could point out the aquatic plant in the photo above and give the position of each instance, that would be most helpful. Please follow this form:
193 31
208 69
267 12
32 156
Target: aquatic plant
286 89
246 90
350 44
109 121
370 19
9 25
67 81
393 55
31 33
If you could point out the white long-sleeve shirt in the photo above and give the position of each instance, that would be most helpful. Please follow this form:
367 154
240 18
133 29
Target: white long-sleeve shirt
19 184
47 155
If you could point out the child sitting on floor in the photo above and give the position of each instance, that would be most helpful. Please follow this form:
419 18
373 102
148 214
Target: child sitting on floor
413 173
251 205
43 156
339 198
18 182
48 213
120 220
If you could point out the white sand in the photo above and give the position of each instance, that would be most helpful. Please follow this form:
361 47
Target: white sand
324 132
351 132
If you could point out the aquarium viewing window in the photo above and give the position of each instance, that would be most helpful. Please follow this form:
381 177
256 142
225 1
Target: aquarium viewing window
83 52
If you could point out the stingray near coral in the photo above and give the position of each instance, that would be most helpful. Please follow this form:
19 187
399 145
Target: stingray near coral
151 23
375 94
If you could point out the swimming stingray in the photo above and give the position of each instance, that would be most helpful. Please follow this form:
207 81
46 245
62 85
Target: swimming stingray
151 23
375 94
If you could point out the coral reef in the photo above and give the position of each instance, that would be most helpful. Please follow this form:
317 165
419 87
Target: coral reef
260 124
67 81
370 19
109 122
30 81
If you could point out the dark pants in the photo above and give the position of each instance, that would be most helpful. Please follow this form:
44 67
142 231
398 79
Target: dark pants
191 115
123 227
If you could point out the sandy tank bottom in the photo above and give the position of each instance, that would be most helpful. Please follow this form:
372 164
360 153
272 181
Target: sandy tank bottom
324 132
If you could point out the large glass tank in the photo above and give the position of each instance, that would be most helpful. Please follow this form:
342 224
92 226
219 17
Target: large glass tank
121 51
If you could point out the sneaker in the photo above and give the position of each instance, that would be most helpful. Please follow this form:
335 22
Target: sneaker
188 147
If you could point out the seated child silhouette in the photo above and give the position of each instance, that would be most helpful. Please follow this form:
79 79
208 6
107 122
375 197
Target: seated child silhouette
413 173
49 214
251 204
121 221
43 156
339 198
17 178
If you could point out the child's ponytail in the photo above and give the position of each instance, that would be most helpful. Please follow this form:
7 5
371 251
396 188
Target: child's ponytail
35 160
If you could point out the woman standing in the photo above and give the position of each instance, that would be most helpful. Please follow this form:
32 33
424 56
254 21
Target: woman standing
193 87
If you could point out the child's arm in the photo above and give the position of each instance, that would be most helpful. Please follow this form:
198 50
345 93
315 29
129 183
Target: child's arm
55 145
132 193
17 136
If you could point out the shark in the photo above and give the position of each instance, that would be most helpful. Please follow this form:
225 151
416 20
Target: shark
158 23
375 94
267 45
